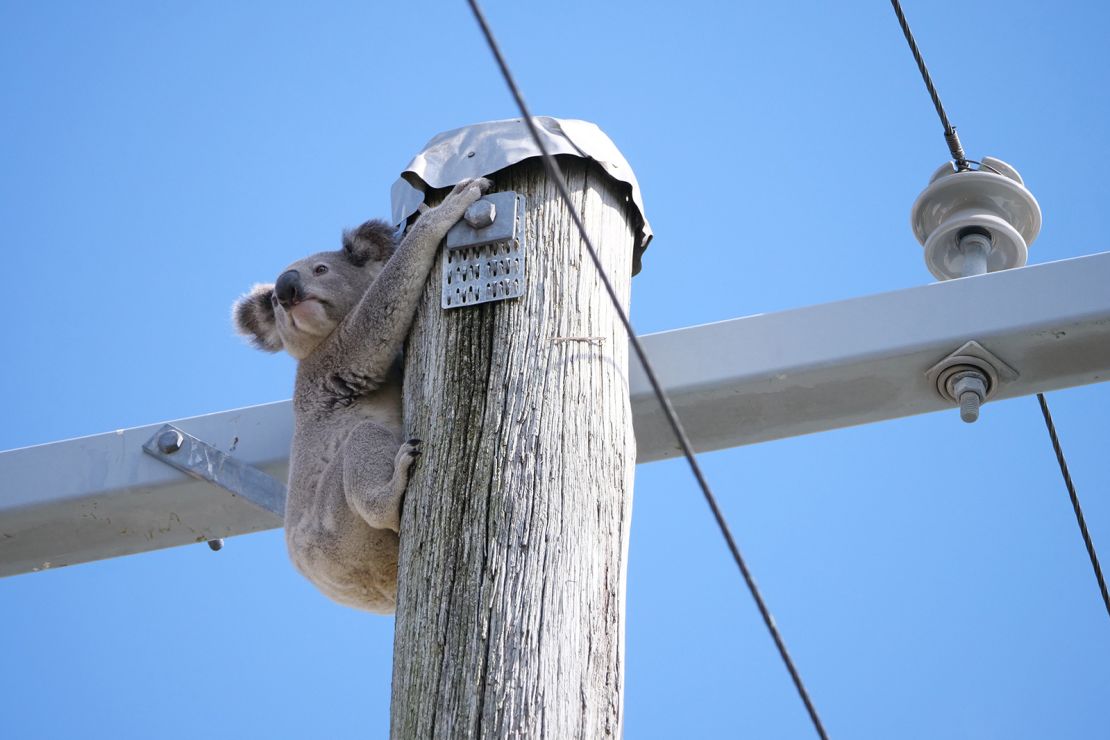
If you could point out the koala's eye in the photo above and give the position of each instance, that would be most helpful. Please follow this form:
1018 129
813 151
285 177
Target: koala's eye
319 269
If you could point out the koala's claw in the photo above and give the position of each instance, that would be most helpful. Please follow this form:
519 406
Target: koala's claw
407 454
482 183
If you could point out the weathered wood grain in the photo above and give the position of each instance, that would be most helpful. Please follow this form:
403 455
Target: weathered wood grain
515 528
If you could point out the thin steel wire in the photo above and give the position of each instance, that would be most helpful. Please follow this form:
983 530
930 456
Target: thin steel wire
556 176
950 136
1074 501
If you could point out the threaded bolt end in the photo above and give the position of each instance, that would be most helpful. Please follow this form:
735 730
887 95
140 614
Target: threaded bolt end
969 389
969 406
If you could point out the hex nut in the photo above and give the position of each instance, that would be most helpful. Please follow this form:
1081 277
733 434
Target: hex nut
970 390
170 441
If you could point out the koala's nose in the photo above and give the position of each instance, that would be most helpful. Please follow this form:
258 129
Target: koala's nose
288 288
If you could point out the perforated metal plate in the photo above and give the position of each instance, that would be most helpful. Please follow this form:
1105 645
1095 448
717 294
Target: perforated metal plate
487 264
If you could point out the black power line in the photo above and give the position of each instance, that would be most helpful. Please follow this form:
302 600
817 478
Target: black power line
1074 501
953 141
556 176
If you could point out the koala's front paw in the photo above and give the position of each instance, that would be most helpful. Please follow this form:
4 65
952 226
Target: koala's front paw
478 182
469 191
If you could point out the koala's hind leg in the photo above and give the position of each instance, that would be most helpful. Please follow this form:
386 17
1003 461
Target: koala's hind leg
375 473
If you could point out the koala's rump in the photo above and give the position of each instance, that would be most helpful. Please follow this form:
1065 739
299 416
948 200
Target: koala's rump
341 554
356 566
328 542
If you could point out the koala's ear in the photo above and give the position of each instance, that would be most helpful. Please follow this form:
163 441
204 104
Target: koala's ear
253 316
371 241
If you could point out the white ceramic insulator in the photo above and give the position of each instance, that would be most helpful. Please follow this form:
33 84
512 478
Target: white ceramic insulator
992 198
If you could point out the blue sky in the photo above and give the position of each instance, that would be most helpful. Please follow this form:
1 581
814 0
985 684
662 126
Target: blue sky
155 160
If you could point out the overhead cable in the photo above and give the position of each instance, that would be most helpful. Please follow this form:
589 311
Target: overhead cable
1074 501
950 136
555 175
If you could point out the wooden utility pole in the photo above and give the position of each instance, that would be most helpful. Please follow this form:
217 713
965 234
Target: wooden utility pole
514 539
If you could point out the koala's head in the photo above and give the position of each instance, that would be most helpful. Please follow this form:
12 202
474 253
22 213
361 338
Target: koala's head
313 295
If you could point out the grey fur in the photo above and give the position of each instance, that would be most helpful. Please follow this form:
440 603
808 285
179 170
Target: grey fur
349 464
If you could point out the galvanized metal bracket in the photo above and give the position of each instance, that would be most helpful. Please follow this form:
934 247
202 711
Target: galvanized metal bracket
483 260
202 461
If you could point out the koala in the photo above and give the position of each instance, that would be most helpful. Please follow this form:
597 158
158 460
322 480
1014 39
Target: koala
344 315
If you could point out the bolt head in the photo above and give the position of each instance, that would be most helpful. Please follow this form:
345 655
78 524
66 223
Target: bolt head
170 441
481 214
